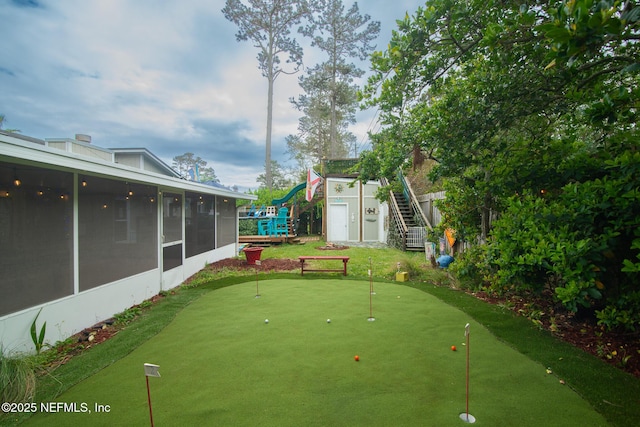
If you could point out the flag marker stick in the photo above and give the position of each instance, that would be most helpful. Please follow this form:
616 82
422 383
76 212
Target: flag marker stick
371 318
466 416
150 370
258 262
149 400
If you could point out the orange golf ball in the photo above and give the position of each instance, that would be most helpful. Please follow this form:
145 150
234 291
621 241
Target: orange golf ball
356 358
453 348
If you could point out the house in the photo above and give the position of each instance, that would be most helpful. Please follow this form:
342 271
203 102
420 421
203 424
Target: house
86 232
352 213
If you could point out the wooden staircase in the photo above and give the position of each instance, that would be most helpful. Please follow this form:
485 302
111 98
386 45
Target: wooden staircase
410 222
405 210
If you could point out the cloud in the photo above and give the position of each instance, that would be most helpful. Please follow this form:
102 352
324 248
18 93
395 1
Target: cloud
25 3
6 71
167 76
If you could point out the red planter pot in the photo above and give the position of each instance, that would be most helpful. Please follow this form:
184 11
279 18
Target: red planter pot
252 254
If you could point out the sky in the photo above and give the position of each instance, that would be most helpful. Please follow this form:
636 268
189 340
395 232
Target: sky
165 75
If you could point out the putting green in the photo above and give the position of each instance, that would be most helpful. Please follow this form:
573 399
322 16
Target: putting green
221 364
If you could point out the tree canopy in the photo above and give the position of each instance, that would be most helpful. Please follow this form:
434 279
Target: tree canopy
329 100
3 120
343 36
182 164
281 179
529 110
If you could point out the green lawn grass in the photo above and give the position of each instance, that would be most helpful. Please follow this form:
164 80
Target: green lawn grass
221 364
383 262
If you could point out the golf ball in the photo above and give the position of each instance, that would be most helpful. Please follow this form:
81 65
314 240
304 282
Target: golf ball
266 320
328 320
453 348
356 358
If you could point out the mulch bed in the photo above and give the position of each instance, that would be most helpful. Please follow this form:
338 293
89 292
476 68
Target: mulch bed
268 264
621 350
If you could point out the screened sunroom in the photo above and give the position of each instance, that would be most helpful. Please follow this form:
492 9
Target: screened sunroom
87 232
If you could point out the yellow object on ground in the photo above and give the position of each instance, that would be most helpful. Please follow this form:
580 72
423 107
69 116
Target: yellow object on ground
402 276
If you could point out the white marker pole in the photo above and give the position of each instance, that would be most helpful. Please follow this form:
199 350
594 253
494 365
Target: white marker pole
466 417
150 370
258 263
371 278
371 318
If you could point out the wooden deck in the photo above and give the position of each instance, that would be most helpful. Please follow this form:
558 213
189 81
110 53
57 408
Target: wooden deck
267 240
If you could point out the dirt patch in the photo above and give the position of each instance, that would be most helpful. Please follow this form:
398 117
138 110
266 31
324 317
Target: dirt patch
332 247
81 342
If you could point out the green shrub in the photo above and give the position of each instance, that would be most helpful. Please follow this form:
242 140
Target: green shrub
623 314
413 266
583 241
460 209
472 268
248 227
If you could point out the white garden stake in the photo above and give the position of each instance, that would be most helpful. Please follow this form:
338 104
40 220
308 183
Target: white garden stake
258 263
466 416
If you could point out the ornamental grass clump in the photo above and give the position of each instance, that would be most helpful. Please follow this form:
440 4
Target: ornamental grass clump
17 379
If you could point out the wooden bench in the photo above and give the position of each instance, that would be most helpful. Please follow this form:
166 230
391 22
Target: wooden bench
303 259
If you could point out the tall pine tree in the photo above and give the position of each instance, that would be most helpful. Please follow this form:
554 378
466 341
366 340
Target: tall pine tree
343 36
267 24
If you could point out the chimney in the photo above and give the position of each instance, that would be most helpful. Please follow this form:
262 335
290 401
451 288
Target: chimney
83 138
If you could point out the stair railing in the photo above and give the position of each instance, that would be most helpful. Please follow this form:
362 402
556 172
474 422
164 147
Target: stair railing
413 202
401 226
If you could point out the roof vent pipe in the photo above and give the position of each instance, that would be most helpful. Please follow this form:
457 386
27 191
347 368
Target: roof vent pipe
83 138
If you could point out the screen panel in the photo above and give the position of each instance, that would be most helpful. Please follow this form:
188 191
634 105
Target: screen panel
117 230
36 236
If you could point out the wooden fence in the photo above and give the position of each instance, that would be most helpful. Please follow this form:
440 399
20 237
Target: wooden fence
427 203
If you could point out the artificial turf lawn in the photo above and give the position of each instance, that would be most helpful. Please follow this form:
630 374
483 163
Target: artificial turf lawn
222 365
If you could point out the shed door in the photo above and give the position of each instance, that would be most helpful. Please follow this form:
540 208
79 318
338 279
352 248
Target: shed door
337 220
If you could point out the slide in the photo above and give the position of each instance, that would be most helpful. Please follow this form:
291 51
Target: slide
290 194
